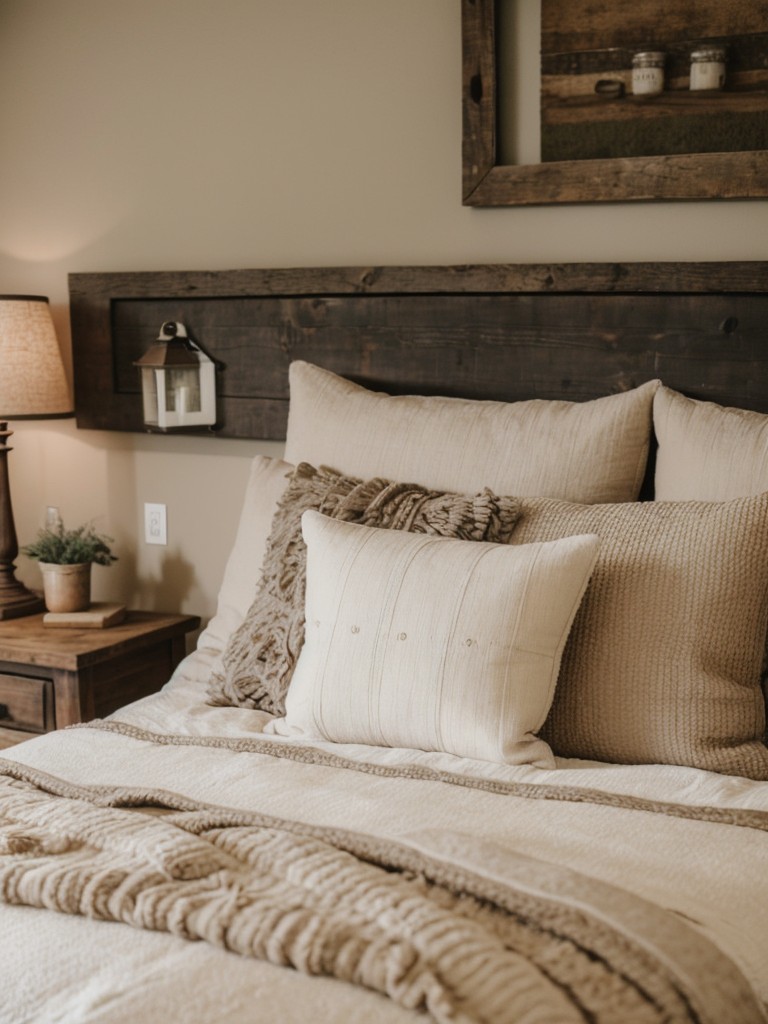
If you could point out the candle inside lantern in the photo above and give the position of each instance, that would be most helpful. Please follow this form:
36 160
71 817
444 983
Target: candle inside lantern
181 399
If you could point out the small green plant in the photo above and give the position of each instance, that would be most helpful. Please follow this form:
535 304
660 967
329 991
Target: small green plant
70 547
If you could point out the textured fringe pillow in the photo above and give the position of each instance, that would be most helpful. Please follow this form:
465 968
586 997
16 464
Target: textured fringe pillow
582 451
415 641
663 661
260 655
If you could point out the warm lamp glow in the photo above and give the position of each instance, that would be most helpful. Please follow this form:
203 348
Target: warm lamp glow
32 386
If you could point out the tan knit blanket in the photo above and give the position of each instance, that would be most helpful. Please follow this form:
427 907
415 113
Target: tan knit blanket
533 942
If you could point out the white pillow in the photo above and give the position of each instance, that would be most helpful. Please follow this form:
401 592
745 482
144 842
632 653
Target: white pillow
267 480
433 643
707 452
579 451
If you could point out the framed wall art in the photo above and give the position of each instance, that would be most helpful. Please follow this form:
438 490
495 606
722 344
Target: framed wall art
638 101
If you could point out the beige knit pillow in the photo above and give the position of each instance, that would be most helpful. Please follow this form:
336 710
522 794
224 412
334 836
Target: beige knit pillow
663 661
417 641
260 655
583 451
709 452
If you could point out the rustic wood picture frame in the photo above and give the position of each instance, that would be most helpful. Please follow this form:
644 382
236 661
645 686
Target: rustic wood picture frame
695 176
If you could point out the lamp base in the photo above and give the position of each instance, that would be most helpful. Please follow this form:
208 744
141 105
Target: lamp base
16 601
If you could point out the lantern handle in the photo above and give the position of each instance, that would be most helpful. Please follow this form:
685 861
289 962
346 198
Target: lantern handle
172 329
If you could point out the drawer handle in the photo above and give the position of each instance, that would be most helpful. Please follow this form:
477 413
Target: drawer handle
4 713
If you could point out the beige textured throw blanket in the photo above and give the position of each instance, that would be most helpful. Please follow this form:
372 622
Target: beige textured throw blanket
522 941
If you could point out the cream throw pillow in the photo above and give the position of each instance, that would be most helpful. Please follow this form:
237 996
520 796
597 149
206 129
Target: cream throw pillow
267 480
417 641
707 452
663 662
583 451
259 657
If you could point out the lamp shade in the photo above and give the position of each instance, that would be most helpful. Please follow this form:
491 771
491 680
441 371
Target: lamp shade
33 384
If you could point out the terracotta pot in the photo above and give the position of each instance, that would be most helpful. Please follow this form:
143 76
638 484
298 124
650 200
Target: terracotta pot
66 588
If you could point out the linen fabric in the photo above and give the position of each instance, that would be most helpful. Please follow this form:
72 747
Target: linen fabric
260 655
484 819
663 662
267 480
582 451
707 452
416 641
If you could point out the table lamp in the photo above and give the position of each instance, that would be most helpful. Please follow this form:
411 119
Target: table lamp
33 386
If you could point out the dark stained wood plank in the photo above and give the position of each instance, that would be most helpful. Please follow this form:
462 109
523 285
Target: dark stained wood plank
670 105
572 331
583 129
478 92
135 675
576 24
91 294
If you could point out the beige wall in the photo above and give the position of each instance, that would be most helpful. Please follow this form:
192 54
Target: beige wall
213 134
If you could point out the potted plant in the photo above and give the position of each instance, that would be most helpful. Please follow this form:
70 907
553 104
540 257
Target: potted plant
65 558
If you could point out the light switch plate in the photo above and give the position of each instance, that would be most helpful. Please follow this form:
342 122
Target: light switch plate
155 523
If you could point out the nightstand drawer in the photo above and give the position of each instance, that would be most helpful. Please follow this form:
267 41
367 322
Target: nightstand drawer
26 703
54 677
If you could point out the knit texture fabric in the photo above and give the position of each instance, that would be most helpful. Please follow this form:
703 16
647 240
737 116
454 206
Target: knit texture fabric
260 656
525 943
663 661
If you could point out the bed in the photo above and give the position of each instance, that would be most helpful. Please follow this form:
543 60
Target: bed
475 734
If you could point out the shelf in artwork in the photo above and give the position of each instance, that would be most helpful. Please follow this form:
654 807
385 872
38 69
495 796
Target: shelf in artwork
671 103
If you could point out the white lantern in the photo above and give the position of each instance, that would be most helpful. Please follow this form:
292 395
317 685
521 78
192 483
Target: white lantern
178 382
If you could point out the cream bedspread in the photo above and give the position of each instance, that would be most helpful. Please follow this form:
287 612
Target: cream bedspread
604 838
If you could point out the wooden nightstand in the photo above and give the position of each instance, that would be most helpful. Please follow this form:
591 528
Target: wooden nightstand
50 678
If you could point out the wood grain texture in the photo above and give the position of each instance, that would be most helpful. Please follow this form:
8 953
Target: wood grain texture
587 44
51 678
25 703
478 24
687 176
585 105
506 332
628 179
29 642
577 24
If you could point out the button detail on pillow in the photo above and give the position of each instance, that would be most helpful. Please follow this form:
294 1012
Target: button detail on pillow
260 655
430 643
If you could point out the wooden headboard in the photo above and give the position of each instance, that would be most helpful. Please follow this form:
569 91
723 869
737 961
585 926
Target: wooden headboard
506 332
